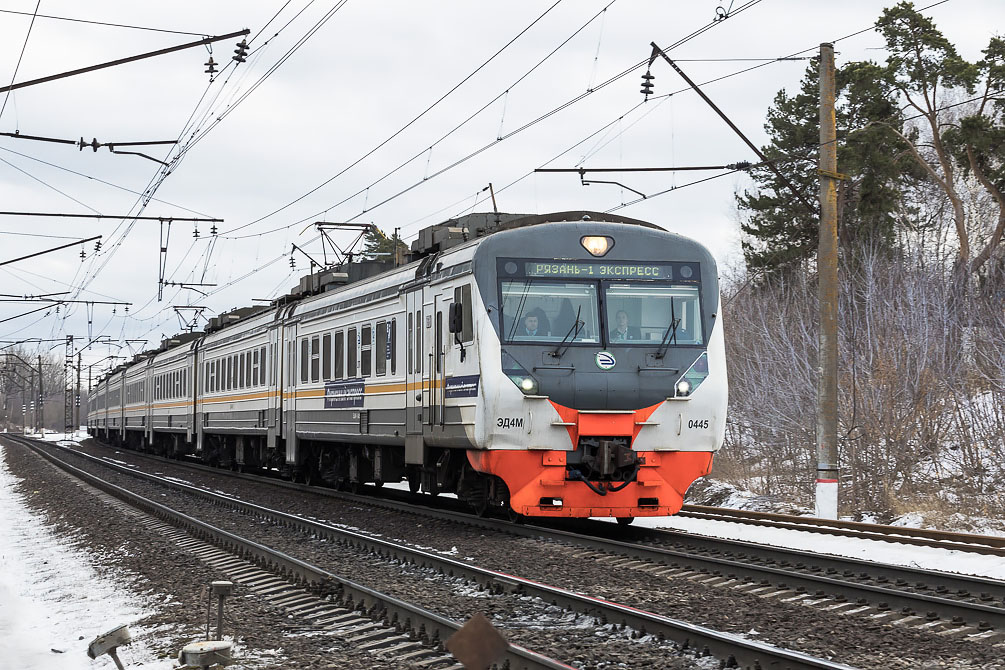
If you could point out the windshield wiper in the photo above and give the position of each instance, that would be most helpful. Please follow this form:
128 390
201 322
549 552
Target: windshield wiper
670 335
574 332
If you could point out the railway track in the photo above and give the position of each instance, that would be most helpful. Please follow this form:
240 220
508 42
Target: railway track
389 627
922 537
733 650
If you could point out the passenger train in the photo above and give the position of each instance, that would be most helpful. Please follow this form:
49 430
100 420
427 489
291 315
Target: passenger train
561 365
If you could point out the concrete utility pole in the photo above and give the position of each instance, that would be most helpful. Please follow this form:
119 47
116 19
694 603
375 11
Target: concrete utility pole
827 275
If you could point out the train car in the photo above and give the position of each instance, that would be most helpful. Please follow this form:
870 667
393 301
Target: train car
569 365
170 403
235 412
135 422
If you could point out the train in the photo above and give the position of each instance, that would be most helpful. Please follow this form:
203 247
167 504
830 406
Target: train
559 365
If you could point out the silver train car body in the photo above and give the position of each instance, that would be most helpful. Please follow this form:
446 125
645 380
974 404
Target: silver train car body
419 372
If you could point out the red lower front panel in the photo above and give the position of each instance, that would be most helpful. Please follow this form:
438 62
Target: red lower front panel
533 475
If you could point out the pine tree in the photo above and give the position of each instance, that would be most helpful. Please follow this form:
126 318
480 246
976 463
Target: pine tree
781 234
378 246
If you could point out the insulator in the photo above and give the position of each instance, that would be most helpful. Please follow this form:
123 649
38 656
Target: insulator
195 233
97 246
211 66
647 84
82 255
293 262
212 229
241 52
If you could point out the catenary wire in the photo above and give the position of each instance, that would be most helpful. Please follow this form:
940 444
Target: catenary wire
23 47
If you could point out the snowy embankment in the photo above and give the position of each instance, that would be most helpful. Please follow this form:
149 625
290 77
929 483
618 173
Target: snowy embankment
53 601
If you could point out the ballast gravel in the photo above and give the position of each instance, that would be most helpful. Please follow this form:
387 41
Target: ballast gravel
848 639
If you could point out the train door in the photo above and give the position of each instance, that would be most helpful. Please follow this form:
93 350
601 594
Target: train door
416 367
289 386
271 373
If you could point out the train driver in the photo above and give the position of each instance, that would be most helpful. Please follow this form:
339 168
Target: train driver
622 331
531 327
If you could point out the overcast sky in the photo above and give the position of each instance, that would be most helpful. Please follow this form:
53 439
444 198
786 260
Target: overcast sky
253 146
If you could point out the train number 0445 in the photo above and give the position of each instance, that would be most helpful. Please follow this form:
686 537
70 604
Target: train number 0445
697 423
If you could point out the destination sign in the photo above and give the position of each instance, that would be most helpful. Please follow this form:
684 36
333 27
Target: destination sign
599 270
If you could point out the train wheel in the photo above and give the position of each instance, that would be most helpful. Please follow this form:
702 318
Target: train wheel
625 520
513 516
378 483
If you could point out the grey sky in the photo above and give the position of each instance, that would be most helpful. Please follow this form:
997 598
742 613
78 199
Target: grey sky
369 70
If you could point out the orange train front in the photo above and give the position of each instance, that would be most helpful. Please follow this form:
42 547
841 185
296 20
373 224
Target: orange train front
602 370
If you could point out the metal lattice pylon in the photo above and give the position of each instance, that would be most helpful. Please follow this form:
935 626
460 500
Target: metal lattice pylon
68 390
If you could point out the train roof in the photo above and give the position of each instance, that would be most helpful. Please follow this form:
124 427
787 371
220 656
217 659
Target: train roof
333 285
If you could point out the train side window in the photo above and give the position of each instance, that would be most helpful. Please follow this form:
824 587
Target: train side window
409 344
351 370
240 375
229 377
380 349
254 367
326 356
315 359
439 342
305 360
263 378
418 342
394 346
365 352
339 355
462 294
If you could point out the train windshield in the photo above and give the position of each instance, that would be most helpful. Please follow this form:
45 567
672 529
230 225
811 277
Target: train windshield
536 310
643 313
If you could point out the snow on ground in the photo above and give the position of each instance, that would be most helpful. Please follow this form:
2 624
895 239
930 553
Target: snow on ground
53 602
928 558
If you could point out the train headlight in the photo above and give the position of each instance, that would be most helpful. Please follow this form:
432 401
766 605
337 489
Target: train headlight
693 378
525 383
597 245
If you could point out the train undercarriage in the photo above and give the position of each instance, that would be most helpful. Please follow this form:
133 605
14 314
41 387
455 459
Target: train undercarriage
602 477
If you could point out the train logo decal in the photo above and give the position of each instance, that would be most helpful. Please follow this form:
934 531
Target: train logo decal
605 360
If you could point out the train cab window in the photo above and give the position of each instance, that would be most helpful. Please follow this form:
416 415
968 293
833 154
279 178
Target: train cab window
305 360
394 346
366 354
648 314
339 355
462 294
315 359
535 310
380 349
351 347
326 356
